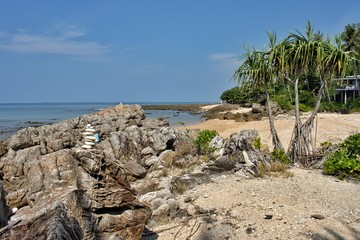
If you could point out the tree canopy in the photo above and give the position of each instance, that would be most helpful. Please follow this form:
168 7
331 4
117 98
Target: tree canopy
290 63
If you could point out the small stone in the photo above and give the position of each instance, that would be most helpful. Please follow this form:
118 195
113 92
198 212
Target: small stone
14 210
318 216
188 199
250 230
268 216
200 210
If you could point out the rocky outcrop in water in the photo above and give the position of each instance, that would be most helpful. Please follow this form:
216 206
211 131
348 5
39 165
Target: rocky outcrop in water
255 113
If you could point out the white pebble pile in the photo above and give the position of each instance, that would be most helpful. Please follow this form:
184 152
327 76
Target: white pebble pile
89 137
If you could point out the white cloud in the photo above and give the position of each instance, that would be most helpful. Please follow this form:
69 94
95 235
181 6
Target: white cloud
219 57
226 62
63 42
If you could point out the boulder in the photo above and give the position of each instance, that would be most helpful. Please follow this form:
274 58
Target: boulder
238 153
152 123
75 188
133 168
52 224
3 149
163 205
257 108
183 183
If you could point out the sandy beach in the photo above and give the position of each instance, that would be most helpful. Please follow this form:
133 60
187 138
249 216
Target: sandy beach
308 205
331 127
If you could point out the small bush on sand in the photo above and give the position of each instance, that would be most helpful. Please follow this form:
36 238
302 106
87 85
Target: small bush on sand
352 145
203 140
183 148
280 155
274 169
257 143
342 165
179 188
164 172
346 161
167 159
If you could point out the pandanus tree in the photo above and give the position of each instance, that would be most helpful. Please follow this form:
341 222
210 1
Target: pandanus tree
304 53
292 59
258 70
351 38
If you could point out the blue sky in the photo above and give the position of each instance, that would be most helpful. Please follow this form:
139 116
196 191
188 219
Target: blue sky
143 51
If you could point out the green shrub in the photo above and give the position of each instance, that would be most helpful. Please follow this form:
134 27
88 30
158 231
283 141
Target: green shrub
283 101
307 98
203 140
352 145
326 144
353 105
345 162
342 165
280 155
246 93
304 108
257 143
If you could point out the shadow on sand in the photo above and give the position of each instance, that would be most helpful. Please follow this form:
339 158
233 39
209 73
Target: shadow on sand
332 234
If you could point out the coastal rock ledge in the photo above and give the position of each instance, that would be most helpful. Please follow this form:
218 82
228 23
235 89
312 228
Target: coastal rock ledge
129 181
57 190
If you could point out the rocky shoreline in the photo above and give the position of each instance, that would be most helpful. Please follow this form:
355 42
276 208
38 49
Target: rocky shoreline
255 112
142 177
195 108
56 189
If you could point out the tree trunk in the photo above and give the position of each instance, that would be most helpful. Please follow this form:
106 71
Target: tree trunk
317 105
328 94
275 138
356 78
294 147
306 140
288 90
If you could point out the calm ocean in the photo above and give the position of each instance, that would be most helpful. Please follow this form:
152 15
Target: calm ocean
15 116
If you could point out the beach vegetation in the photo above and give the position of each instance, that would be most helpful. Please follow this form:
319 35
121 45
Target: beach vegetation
302 66
326 144
280 155
167 159
182 148
351 39
179 187
164 172
274 169
257 143
352 145
243 95
203 140
310 78
345 162
258 70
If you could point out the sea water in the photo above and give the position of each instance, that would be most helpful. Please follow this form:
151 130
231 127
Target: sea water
15 116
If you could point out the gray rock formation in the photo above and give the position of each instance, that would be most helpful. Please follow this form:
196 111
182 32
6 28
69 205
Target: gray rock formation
65 192
113 189
236 153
